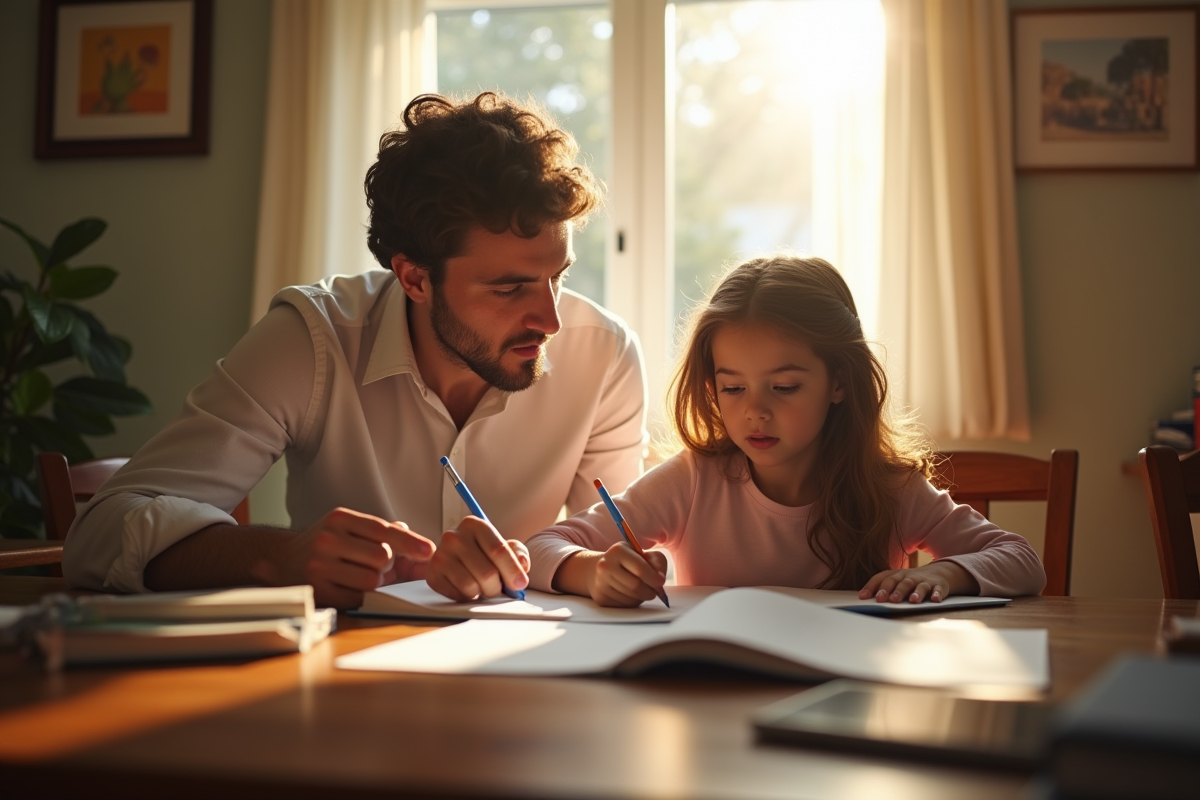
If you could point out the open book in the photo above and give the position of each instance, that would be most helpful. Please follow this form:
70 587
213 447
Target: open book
756 629
415 599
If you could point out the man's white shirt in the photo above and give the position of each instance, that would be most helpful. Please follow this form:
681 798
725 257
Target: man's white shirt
328 380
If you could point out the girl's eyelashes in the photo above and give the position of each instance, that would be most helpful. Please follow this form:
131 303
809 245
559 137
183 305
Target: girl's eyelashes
787 389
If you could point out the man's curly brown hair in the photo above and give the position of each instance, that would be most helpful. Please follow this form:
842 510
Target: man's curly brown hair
457 164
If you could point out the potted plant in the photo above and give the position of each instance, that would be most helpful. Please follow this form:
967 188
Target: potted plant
41 325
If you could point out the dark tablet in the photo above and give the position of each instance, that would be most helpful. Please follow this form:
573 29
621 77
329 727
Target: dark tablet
910 722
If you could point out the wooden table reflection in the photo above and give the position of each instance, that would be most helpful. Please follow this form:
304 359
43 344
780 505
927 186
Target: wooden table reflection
294 725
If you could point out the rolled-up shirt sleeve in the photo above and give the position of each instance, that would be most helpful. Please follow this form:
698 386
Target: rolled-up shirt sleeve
234 426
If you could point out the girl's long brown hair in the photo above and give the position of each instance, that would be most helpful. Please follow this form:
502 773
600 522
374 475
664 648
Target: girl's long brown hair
864 456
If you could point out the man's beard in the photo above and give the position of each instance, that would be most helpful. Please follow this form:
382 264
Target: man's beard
463 344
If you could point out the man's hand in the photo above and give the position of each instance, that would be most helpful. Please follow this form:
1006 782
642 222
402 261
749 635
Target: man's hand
473 560
935 581
345 554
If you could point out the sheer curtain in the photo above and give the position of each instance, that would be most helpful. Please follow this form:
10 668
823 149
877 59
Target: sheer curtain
341 73
952 320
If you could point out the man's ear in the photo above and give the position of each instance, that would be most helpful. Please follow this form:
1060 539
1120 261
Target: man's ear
413 279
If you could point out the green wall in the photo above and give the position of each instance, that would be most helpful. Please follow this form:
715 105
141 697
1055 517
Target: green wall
181 229
1108 262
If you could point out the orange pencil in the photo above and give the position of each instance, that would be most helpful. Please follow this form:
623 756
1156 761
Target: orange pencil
627 532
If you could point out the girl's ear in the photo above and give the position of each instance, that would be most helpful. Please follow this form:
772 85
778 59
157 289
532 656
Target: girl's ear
838 393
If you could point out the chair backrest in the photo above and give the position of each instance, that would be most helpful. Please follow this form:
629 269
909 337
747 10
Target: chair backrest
1173 492
979 478
63 486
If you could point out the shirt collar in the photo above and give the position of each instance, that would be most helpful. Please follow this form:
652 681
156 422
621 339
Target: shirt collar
392 351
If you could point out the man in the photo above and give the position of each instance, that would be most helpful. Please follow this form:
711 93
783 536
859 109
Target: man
466 346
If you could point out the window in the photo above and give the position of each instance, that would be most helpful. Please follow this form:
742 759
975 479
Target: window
560 56
723 129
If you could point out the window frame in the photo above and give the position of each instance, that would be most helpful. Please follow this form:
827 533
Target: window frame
640 202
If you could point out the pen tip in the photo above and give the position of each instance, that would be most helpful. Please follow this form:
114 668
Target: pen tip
445 461
599 484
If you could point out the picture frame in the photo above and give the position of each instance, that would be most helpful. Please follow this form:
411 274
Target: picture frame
1108 88
118 79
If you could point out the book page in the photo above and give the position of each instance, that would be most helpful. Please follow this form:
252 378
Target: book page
416 599
944 653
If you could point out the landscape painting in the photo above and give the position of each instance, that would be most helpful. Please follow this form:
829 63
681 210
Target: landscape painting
1106 88
1096 89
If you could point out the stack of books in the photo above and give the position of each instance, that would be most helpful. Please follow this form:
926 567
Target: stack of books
1177 431
171 626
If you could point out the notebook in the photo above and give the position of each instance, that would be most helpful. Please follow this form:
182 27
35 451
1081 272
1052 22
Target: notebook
170 626
1133 732
756 629
415 599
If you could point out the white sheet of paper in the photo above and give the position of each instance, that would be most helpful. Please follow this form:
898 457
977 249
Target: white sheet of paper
417 600
943 653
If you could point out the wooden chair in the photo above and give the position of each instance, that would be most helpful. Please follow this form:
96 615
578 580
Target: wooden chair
63 486
1172 486
978 478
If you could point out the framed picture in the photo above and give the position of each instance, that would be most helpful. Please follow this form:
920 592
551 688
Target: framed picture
123 79
1105 88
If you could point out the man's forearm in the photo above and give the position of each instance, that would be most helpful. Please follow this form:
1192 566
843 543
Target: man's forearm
219 555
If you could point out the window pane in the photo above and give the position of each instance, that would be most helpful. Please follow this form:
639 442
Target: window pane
778 137
560 57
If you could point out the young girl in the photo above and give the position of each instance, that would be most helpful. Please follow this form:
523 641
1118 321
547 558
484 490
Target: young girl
790 475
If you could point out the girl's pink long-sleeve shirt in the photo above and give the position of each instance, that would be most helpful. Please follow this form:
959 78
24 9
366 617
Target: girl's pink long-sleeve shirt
724 533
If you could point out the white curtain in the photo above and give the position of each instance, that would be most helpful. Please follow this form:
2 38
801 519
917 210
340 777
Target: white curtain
951 315
341 72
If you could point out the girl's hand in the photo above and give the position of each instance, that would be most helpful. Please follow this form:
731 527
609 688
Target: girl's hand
935 581
617 578
623 579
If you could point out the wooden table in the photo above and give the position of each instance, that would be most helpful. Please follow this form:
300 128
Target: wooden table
294 726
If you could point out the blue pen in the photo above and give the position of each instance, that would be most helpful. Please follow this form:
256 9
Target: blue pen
627 532
469 499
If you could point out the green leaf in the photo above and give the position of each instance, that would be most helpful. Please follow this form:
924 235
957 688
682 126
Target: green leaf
124 346
42 354
74 238
80 339
47 435
99 396
83 422
51 321
106 354
31 392
41 253
80 283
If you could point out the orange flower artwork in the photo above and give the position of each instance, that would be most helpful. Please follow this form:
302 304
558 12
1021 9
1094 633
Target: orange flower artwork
124 70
